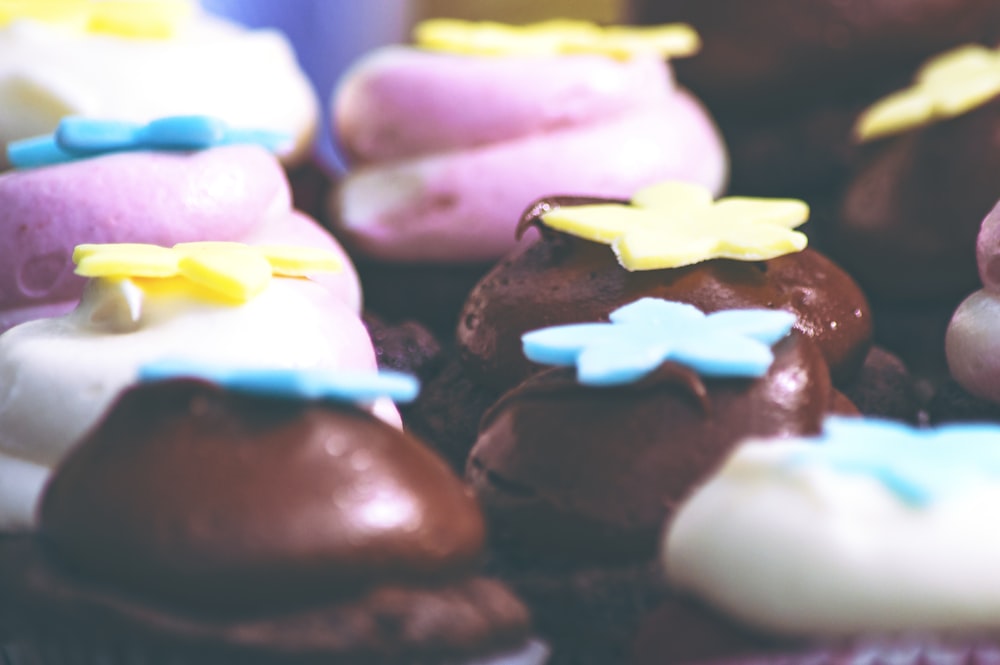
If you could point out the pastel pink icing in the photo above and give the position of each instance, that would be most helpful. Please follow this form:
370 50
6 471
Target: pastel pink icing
972 342
450 149
237 193
401 102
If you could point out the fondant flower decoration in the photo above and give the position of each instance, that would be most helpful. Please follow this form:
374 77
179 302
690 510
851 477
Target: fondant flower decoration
675 224
223 270
947 86
149 19
81 138
648 332
355 387
557 37
919 465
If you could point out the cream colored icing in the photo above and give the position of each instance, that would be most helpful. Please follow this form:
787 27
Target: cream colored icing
815 551
247 78
58 376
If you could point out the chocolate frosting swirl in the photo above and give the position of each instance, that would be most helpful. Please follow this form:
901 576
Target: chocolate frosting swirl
569 473
564 279
193 496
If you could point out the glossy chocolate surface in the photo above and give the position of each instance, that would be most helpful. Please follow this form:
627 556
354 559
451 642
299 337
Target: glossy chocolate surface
563 279
909 219
577 474
192 496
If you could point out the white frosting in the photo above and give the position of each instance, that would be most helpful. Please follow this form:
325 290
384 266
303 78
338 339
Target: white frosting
248 78
810 550
58 376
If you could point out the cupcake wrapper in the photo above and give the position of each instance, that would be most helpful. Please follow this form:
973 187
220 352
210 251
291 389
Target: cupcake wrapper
534 653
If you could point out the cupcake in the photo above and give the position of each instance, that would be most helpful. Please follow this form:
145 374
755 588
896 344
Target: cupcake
221 302
577 467
218 515
787 78
449 139
672 242
909 218
138 61
179 179
859 544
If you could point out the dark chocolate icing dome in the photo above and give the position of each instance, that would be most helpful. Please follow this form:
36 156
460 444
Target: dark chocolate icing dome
191 495
563 279
579 474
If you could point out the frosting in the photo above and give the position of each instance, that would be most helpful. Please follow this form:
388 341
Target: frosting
854 528
80 138
149 19
400 102
643 335
970 341
284 383
563 279
237 193
555 37
122 323
460 205
949 85
448 148
673 224
247 78
217 499
581 474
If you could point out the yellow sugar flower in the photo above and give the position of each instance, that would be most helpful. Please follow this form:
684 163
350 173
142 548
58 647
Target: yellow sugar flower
947 86
556 37
149 19
227 270
676 224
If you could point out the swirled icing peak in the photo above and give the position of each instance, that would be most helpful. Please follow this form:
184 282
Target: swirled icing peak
675 224
556 37
291 383
149 19
227 270
949 85
648 332
81 138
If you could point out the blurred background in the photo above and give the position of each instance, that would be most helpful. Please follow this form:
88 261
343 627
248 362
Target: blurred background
330 34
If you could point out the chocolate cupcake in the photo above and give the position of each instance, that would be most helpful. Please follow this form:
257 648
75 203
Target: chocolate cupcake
787 78
864 543
908 221
576 470
571 276
242 523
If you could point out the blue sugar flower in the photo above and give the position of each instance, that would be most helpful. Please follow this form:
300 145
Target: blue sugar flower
80 138
356 387
917 464
650 331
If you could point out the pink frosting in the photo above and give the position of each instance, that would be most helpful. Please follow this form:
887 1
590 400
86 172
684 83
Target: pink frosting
401 102
464 205
988 250
450 149
972 342
237 193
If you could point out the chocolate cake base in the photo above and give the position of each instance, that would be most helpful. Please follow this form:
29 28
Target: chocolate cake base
53 617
